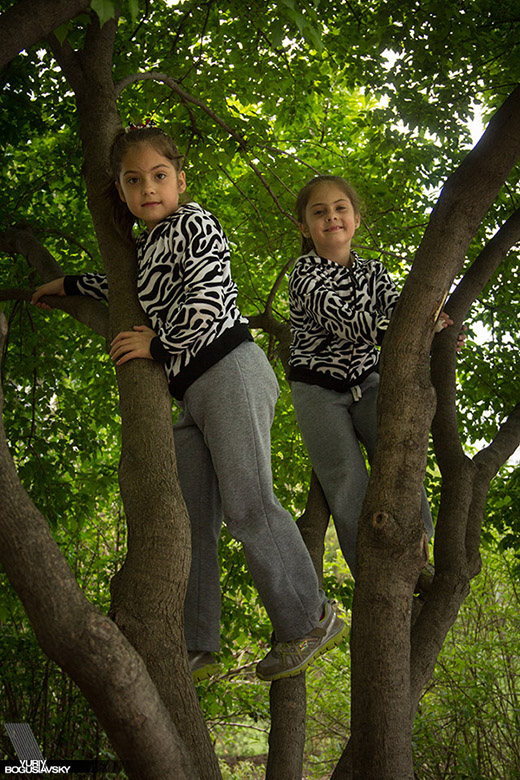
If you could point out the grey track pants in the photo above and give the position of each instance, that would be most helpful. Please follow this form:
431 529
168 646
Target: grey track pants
223 446
332 425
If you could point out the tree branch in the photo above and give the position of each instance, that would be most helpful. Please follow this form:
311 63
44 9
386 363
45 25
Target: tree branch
30 21
446 438
83 641
22 240
493 457
280 330
483 268
188 98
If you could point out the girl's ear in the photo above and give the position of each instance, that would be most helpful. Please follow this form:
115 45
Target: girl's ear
181 182
120 191
304 230
357 219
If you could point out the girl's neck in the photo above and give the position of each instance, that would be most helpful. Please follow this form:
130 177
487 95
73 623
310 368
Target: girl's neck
342 258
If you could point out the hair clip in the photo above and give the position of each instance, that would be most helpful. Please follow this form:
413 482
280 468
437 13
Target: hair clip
148 124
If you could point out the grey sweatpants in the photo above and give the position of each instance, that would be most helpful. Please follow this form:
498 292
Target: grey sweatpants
332 425
223 447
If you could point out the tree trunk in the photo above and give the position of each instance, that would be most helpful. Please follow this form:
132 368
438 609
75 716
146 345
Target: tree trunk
29 21
83 641
148 592
288 698
391 542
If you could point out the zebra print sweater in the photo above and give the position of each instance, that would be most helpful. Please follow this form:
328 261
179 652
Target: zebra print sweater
338 318
185 287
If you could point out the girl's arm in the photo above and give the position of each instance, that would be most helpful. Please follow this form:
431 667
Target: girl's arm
55 287
93 285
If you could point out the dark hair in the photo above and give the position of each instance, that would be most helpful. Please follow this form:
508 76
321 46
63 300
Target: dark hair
124 220
304 195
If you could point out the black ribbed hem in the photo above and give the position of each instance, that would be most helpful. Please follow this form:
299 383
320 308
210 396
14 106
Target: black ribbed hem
207 357
311 377
70 284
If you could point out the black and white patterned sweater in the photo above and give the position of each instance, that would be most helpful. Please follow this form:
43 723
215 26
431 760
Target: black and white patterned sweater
185 287
338 318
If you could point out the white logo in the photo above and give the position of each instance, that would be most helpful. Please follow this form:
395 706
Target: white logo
36 767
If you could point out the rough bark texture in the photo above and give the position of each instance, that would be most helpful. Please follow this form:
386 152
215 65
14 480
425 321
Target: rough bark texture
83 641
288 698
148 592
30 21
386 678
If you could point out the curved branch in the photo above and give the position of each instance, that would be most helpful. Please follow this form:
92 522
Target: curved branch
483 268
280 330
276 286
30 21
186 97
445 427
21 240
493 457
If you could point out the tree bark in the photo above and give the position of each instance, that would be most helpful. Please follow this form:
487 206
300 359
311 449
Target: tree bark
29 21
288 698
148 592
83 641
22 240
391 544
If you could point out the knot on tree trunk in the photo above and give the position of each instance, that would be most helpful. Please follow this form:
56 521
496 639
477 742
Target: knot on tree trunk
380 520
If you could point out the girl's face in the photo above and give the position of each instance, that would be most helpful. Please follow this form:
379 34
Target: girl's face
330 221
149 184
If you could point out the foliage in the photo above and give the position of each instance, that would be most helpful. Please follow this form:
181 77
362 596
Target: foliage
32 688
468 721
382 93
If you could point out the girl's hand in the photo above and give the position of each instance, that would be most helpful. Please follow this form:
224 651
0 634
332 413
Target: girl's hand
445 321
56 287
461 338
130 344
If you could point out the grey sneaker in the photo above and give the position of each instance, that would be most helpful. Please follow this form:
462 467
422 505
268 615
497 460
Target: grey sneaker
287 659
202 665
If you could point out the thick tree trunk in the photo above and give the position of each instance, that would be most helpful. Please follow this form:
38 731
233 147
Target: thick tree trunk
84 642
391 543
148 592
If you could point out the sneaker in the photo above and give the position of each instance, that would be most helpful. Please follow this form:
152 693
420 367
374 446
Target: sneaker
288 659
202 665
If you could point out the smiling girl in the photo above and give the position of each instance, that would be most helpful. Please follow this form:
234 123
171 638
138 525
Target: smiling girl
340 309
227 392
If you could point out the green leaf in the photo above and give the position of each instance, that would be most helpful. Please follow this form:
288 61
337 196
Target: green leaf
134 9
105 9
62 32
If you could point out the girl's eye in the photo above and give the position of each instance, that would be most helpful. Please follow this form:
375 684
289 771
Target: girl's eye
132 180
161 176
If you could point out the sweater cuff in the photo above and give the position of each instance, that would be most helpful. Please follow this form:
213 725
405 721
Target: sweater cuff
70 284
158 351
